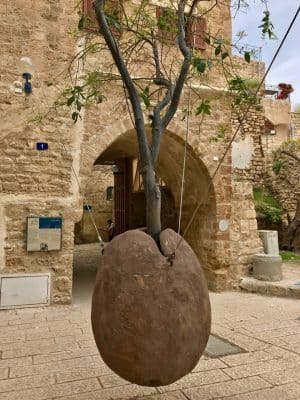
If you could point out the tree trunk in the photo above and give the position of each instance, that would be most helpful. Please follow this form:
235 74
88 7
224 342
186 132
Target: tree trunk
291 238
153 201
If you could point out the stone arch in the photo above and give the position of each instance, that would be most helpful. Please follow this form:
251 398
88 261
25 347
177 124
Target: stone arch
119 141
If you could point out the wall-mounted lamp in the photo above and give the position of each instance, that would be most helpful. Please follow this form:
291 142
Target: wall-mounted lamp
116 169
26 69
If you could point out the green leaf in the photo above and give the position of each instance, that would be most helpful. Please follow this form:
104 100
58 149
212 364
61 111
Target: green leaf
145 96
81 23
70 101
75 116
247 56
201 66
225 54
204 108
218 50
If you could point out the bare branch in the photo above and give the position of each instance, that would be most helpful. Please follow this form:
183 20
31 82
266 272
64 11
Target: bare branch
187 54
133 95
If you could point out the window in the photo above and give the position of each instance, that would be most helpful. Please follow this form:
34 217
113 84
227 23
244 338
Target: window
113 12
167 28
167 25
195 33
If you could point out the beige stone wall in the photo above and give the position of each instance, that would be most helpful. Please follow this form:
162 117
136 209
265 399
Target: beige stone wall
248 152
243 234
36 183
286 184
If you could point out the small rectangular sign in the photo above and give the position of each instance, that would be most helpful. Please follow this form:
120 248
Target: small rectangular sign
44 233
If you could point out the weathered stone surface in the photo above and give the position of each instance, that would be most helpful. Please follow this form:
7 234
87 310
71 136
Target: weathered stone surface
267 267
151 320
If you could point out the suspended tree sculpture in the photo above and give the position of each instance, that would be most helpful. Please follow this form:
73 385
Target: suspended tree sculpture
151 312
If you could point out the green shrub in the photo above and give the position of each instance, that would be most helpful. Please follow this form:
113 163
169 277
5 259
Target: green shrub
276 167
289 256
266 205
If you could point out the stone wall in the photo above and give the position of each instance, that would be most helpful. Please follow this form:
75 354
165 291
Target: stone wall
286 184
247 150
36 183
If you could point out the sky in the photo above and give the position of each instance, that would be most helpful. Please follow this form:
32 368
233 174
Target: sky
287 65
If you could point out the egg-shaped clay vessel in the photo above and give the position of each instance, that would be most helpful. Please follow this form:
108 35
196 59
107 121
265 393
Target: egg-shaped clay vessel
151 318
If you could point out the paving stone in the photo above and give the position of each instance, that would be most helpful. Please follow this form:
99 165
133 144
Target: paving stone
74 338
292 339
272 325
53 391
63 355
285 392
166 396
53 334
15 362
112 380
277 333
86 344
208 364
122 392
31 349
283 377
248 358
26 383
52 367
3 373
82 373
259 368
196 379
25 344
28 321
230 388
12 338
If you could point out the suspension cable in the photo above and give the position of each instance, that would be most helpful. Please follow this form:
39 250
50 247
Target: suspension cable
241 121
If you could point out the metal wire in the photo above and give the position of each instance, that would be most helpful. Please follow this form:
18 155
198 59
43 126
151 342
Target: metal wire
239 125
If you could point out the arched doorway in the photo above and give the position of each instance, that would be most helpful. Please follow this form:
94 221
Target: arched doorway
198 187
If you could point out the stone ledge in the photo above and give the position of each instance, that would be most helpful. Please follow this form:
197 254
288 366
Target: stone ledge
284 288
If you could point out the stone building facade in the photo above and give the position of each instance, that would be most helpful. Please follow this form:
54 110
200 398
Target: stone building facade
59 181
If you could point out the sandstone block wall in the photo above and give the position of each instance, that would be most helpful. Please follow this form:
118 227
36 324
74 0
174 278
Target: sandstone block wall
36 183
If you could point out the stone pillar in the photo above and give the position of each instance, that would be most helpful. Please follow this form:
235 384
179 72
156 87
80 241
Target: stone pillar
270 241
267 267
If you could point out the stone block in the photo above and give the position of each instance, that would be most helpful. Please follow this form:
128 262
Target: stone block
270 241
267 267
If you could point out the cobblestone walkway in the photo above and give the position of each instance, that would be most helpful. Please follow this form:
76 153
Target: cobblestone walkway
50 354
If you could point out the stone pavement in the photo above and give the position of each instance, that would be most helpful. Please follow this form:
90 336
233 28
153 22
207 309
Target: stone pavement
50 354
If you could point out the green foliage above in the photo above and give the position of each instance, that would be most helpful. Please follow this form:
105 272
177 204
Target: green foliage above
267 27
84 94
244 90
266 205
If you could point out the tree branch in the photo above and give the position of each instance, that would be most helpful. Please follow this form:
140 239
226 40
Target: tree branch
187 54
290 155
144 150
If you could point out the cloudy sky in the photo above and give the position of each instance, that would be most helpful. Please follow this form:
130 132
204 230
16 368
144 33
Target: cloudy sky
287 65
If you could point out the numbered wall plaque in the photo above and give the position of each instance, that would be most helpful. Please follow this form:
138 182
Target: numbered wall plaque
44 233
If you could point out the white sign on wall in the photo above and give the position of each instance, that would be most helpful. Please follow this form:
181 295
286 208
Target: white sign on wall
44 233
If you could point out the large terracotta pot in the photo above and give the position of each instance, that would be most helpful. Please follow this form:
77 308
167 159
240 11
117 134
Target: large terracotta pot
151 320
